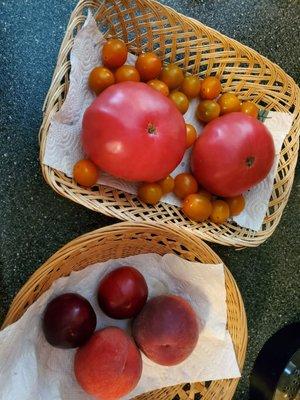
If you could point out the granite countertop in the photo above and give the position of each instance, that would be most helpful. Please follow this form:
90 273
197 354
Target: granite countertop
35 222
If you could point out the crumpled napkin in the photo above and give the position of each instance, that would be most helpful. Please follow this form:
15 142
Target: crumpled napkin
64 149
32 369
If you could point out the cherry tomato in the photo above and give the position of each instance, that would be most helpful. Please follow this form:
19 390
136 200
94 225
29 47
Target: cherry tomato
229 103
114 53
210 88
185 184
220 212
150 193
85 173
205 193
236 204
172 75
122 293
180 100
191 86
208 110
191 135
127 73
148 65
197 208
100 78
250 108
159 86
167 184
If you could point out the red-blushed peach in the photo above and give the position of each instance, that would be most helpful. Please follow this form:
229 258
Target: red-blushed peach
109 365
166 330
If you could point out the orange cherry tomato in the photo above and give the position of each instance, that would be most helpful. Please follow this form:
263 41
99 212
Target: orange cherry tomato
160 86
167 184
181 101
190 86
172 75
150 193
205 193
85 173
127 73
229 103
236 204
197 208
148 65
191 135
208 110
210 88
114 53
185 184
220 212
100 78
248 107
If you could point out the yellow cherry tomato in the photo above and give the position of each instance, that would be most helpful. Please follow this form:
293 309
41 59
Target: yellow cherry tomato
85 173
148 65
210 88
127 73
114 53
100 78
249 108
191 135
181 101
167 184
229 103
172 75
236 204
220 212
198 208
160 86
191 85
205 193
185 184
150 193
208 110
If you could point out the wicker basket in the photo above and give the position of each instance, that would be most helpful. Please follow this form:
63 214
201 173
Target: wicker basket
148 25
122 240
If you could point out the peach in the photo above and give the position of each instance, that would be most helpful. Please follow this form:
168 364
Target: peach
166 330
109 365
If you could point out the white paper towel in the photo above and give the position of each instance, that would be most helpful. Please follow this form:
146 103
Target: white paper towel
31 369
64 149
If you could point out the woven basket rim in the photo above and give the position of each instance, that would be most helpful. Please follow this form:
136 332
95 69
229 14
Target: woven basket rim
230 39
229 234
124 228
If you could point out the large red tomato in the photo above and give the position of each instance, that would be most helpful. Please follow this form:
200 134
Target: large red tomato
133 132
233 153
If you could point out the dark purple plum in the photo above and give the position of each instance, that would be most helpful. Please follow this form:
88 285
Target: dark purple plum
69 321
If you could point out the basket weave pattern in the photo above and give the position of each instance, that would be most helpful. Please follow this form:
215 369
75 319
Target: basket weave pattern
122 240
147 25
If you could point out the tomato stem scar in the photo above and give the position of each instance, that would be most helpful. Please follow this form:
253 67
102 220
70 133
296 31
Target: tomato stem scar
151 128
250 161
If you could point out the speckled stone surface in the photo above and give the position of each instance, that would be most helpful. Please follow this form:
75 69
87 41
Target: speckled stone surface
35 222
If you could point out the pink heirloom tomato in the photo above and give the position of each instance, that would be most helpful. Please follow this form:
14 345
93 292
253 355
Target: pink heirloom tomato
233 153
134 133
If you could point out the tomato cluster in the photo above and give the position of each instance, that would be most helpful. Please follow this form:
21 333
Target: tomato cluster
169 80
197 203
212 104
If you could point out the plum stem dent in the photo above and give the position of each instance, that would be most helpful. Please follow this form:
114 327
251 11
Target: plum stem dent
151 128
250 161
